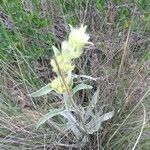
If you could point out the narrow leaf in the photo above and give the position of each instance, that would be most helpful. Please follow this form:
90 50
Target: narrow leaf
81 86
95 124
44 90
84 76
49 115
93 102
107 116
56 51
72 123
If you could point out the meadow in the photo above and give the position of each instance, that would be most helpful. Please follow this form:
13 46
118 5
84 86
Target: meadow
115 73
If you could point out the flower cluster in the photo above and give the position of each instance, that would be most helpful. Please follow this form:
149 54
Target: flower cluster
64 59
58 84
63 64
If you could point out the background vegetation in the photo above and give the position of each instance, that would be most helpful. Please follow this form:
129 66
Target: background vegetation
120 59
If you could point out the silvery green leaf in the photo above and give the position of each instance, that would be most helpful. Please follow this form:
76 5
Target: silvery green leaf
56 51
65 127
83 76
88 114
72 123
44 90
81 86
95 124
52 113
85 113
68 115
71 28
67 100
84 140
93 102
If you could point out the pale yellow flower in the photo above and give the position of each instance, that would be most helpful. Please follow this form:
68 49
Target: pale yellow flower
78 38
63 64
73 48
58 85
69 52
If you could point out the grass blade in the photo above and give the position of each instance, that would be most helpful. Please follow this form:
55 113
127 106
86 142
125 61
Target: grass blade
44 90
49 115
81 86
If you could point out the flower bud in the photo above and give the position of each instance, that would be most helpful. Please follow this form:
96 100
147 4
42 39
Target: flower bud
78 38
73 48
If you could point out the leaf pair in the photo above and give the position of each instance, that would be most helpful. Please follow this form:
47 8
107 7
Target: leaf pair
47 88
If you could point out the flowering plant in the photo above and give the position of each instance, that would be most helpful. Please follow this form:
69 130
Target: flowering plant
80 120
